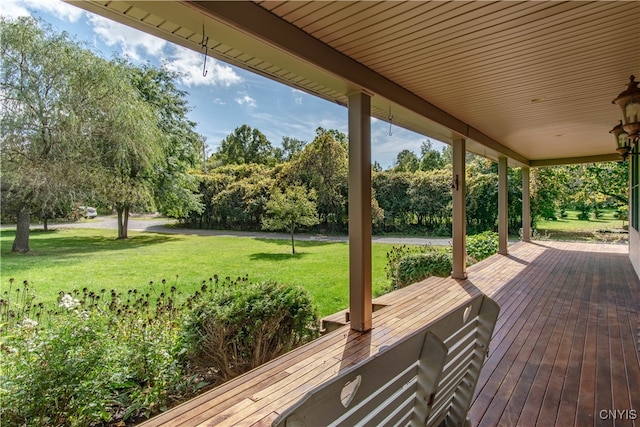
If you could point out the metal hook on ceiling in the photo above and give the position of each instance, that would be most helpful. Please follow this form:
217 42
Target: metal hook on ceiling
390 121
205 45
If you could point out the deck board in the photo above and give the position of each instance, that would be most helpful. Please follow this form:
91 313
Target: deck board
585 356
566 344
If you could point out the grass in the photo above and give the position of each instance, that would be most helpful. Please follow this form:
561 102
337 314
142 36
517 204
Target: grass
572 228
68 259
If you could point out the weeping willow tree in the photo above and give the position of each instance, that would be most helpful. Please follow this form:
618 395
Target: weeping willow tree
74 128
50 90
129 145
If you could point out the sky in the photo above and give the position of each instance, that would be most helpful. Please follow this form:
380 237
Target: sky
227 97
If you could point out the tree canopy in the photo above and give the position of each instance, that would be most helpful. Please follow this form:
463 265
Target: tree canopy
53 93
78 128
246 145
322 166
174 188
290 208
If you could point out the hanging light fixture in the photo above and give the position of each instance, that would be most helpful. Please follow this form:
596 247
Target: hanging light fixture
622 139
627 132
629 101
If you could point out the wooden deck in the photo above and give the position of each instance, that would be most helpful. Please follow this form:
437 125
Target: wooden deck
565 349
566 345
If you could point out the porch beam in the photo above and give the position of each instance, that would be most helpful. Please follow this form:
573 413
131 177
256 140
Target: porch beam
614 157
277 36
360 303
503 206
526 205
458 188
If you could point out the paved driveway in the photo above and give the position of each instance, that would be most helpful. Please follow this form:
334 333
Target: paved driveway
165 225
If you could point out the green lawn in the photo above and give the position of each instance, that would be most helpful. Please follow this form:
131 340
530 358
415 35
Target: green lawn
69 259
573 228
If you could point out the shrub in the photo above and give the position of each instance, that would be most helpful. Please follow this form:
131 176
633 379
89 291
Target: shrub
238 329
584 215
99 359
52 376
483 245
416 267
584 211
622 213
410 264
94 360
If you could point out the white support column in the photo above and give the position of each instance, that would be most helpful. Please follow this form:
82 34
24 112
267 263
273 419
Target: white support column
360 305
526 205
503 206
459 186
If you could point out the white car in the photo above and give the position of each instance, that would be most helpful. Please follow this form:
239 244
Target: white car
87 212
91 213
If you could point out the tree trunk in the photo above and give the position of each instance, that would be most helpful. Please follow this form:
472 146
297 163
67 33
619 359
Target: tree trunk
123 222
293 246
21 241
126 222
46 225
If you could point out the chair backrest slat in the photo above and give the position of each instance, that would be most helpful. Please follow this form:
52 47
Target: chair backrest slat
426 378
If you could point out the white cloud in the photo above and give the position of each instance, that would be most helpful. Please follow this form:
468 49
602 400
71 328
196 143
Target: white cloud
297 96
14 9
246 100
189 65
334 123
63 11
134 44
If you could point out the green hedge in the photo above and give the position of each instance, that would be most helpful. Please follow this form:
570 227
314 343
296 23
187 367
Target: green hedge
483 245
411 264
416 267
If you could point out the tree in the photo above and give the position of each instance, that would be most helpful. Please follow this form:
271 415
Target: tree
233 195
338 136
294 207
243 202
52 93
482 194
430 159
545 194
246 145
322 166
391 189
129 145
585 187
407 161
174 189
291 147
430 196
609 180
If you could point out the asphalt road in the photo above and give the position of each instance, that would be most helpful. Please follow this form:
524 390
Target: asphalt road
152 224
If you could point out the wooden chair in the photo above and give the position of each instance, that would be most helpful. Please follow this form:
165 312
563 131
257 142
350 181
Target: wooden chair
427 378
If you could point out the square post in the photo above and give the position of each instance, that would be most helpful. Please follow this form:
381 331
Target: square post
459 190
503 206
526 205
360 299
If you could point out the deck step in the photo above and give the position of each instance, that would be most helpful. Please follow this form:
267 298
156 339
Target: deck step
341 318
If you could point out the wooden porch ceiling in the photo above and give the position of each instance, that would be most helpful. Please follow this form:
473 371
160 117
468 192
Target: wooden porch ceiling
526 79
566 345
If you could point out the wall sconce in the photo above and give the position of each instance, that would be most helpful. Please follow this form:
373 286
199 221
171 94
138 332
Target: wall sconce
627 133
622 140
